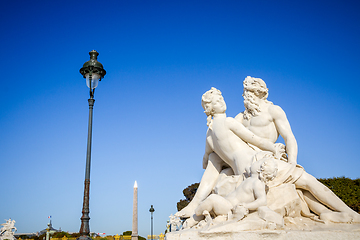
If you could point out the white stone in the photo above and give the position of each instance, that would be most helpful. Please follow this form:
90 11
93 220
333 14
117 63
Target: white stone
174 223
328 234
7 230
236 205
287 205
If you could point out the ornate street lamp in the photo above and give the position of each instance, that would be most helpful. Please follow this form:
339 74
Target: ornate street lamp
152 210
93 71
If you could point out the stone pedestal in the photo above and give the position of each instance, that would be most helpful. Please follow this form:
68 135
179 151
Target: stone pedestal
294 228
266 234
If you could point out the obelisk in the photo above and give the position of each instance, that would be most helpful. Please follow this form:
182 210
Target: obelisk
134 234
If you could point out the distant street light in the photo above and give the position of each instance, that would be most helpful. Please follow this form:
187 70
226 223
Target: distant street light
152 210
93 71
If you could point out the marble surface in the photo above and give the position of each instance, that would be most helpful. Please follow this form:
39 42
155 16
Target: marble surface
251 182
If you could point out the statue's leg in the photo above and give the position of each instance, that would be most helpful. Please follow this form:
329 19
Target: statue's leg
222 206
242 159
206 205
207 183
324 213
314 204
216 203
324 195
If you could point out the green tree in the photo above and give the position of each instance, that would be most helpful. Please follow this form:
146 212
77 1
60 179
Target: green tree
41 237
128 233
61 234
346 189
75 235
189 194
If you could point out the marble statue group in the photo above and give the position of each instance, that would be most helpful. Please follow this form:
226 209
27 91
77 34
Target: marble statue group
7 230
251 182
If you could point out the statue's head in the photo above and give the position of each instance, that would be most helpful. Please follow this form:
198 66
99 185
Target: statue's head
254 89
265 166
256 86
213 102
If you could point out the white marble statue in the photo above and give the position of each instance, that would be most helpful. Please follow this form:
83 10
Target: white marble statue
227 145
7 230
249 196
175 223
232 144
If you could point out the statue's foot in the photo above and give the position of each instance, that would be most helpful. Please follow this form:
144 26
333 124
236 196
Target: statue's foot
337 217
355 217
316 218
186 212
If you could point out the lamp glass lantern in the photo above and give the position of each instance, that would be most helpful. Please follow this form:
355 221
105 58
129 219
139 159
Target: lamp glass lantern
92 80
93 71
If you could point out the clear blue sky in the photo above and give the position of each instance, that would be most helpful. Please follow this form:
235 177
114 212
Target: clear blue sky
149 126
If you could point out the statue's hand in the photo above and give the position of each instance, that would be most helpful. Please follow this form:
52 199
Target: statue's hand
280 151
240 211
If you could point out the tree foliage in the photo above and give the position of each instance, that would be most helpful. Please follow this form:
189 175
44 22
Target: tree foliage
189 194
61 234
40 237
75 235
128 233
23 237
346 189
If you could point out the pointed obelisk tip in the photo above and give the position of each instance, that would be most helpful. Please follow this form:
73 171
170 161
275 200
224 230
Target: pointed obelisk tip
135 185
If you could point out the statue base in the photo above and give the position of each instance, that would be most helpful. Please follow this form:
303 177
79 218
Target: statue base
335 231
268 235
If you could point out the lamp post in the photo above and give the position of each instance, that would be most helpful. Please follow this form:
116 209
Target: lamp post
93 71
152 210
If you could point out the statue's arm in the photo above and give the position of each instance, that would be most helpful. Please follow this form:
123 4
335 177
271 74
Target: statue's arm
283 127
247 136
260 196
208 150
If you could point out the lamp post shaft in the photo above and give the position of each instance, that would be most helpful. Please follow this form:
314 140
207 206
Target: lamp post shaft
152 210
85 228
152 227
